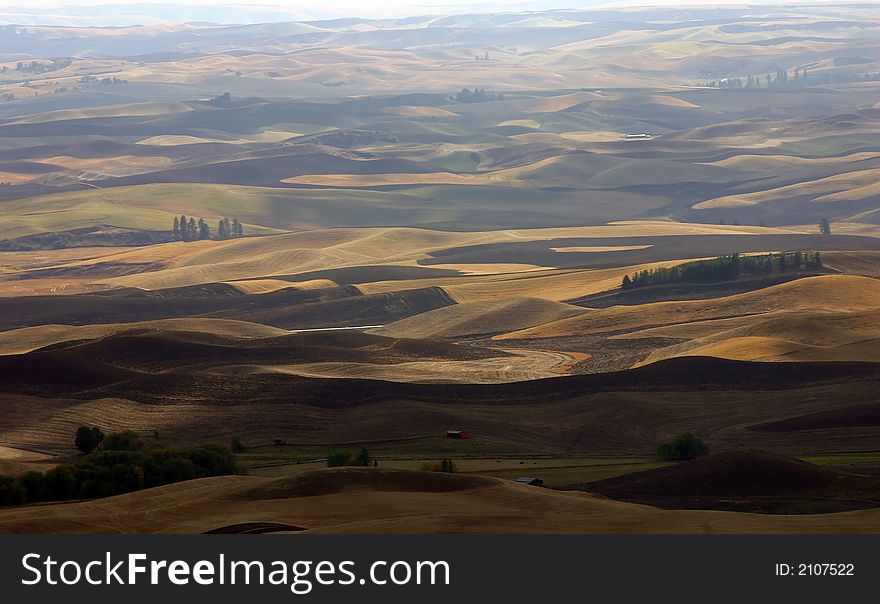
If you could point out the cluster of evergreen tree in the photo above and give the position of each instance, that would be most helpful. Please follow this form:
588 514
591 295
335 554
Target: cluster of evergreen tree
723 268
90 81
37 67
187 229
227 230
477 95
113 472
782 79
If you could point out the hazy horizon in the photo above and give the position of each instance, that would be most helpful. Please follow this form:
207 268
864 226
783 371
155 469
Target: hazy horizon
115 13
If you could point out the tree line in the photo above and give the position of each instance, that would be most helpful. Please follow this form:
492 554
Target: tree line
477 95
123 465
723 268
187 229
800 77
38 67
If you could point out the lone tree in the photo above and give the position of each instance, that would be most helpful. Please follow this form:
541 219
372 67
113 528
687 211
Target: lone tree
683 446
222 100
824 226
88 439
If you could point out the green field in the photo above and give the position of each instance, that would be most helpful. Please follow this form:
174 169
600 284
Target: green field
470 456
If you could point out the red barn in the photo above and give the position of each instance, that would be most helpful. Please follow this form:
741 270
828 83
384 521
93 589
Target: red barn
459 434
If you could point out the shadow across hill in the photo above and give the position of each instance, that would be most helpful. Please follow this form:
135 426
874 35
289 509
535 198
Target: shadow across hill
747 481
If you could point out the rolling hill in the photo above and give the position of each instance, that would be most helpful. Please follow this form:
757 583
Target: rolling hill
825 293
745 481
394 502
20 341
480 318
146 382
437 215
803 336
